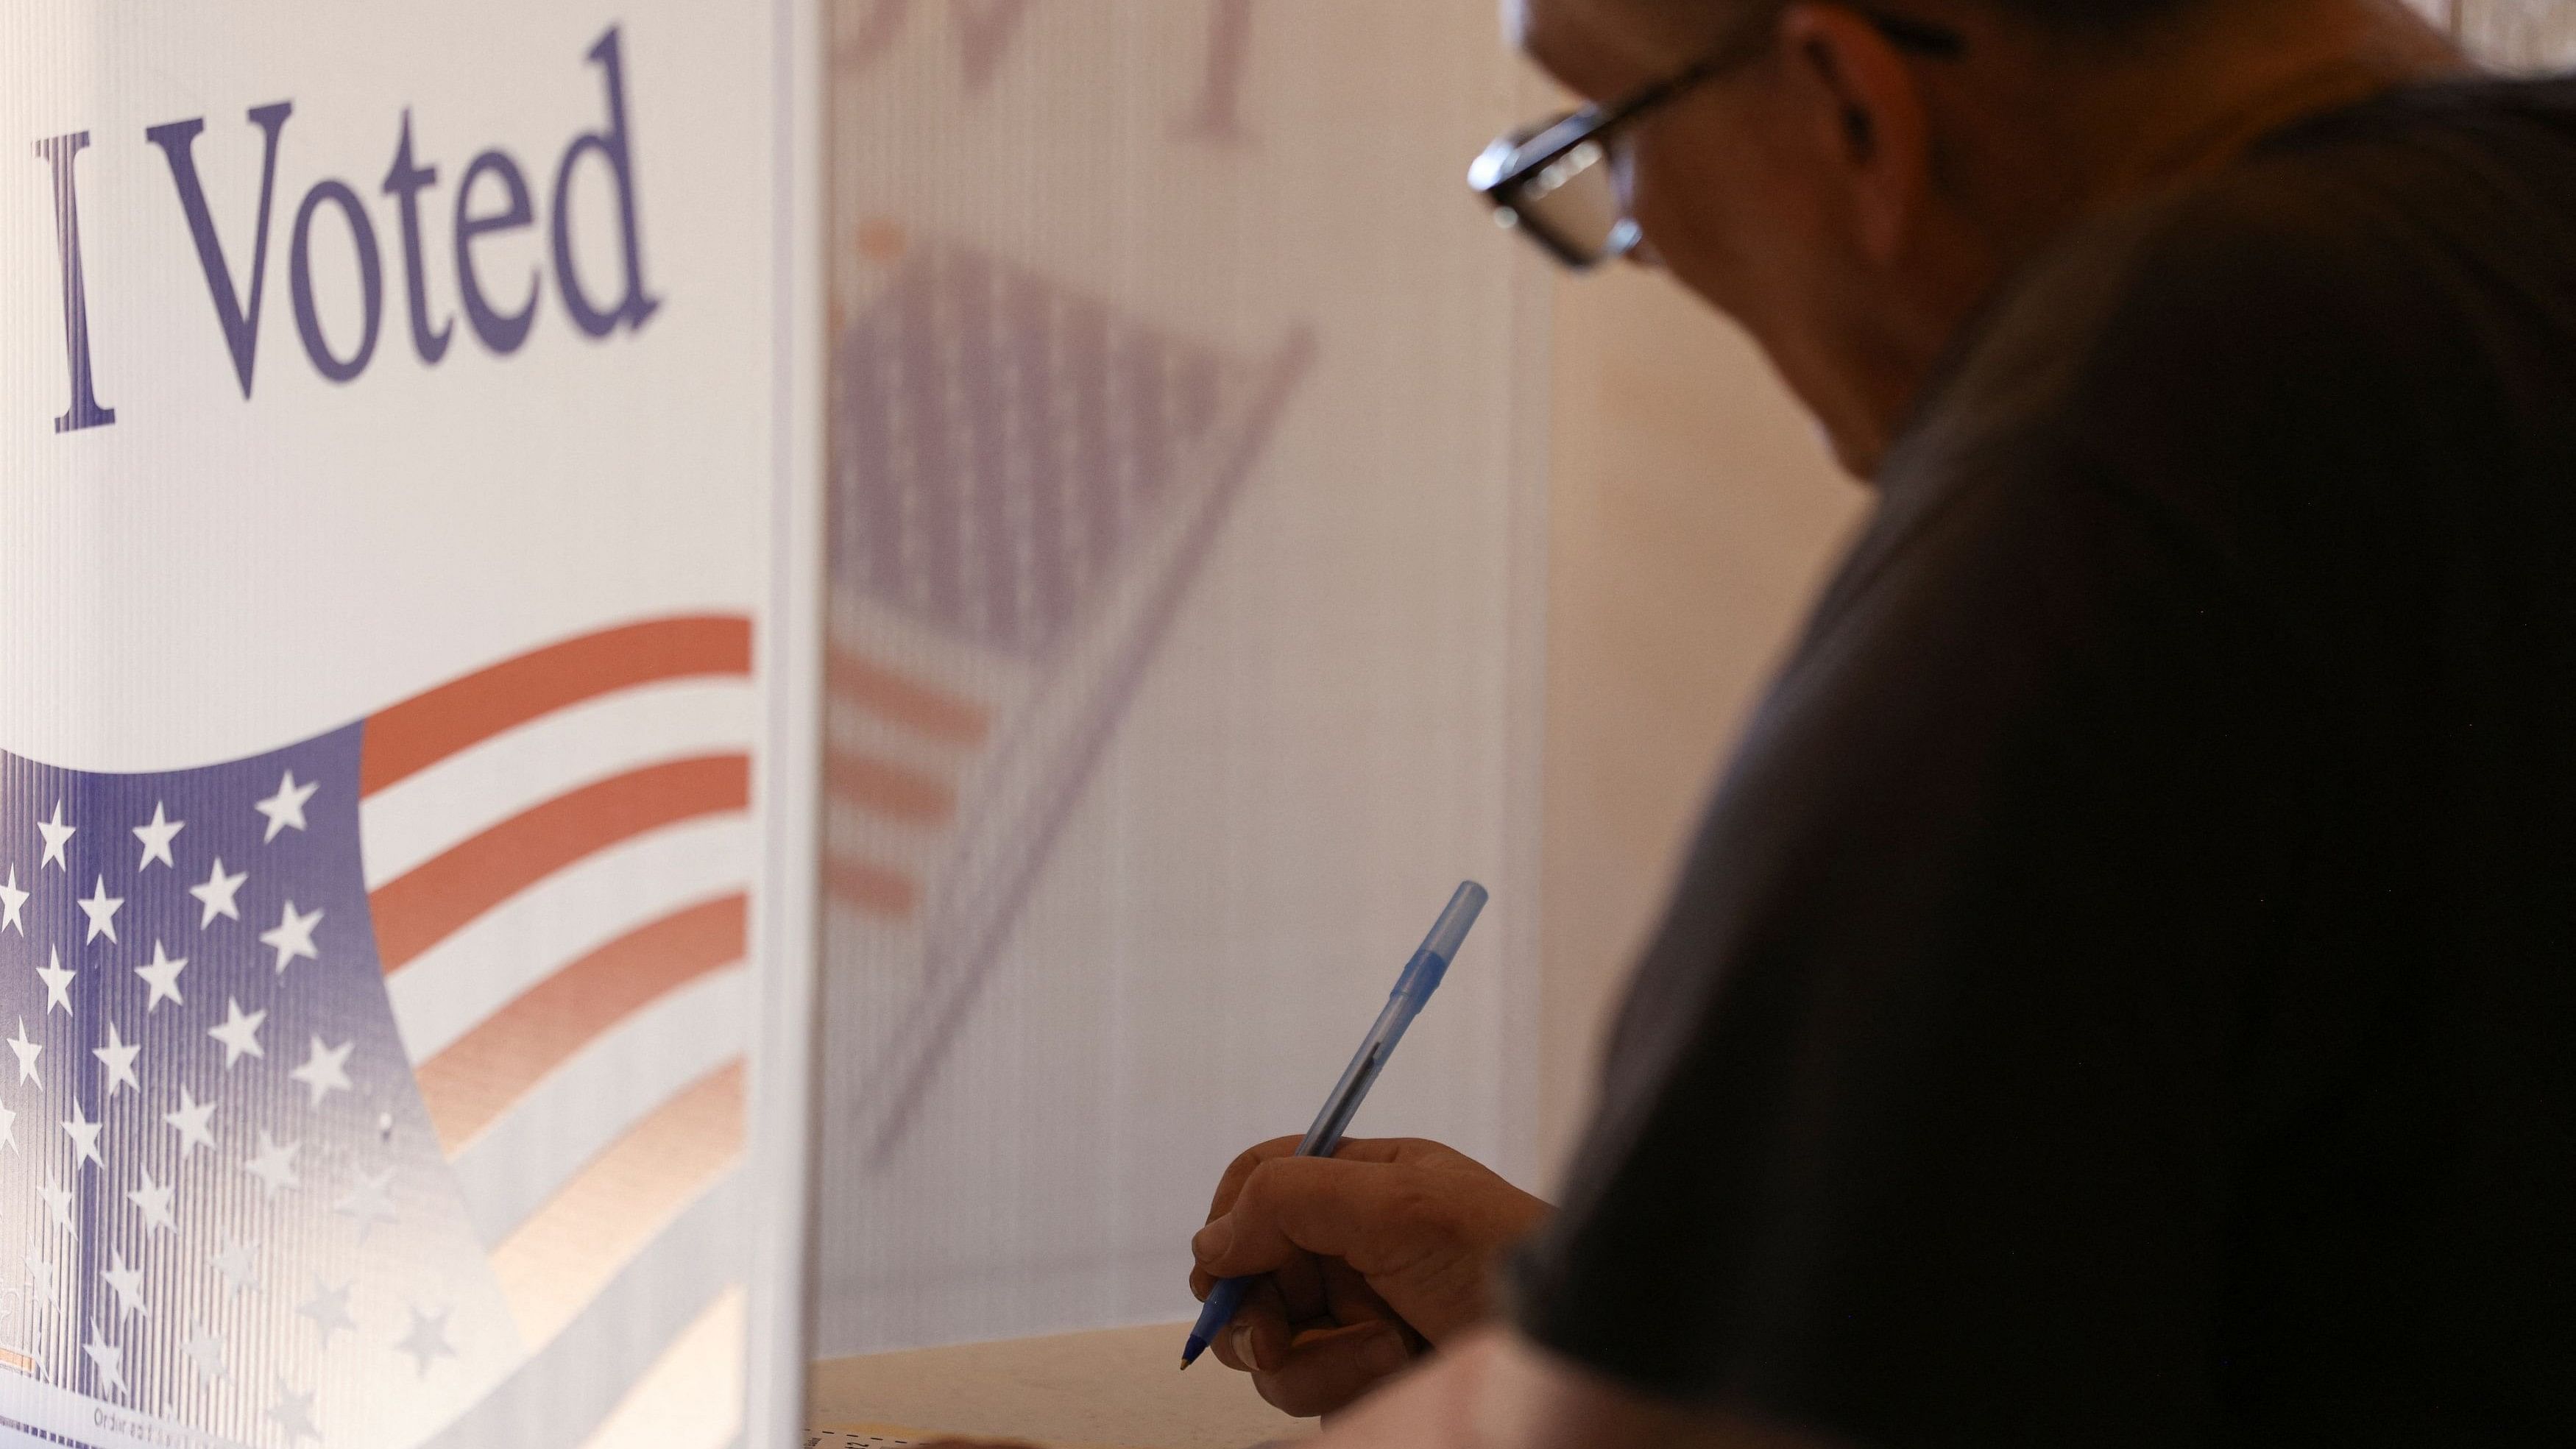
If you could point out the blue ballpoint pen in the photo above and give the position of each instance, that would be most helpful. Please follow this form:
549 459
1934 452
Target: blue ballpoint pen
1421 977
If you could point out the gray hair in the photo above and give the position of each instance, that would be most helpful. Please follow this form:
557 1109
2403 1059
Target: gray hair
1700 19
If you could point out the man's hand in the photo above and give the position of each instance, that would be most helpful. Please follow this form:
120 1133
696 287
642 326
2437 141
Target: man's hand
1372 1255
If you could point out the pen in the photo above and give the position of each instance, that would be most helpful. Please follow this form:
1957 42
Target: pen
1420 978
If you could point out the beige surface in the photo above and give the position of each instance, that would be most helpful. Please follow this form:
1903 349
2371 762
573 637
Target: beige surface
1691 513
1115 1387
2519 34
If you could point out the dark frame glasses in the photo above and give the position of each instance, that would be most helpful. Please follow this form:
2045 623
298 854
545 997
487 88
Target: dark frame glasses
1553 182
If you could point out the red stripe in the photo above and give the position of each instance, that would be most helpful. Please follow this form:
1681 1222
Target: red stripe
470 1084
870 888
409 737
424 906
862 683
889 789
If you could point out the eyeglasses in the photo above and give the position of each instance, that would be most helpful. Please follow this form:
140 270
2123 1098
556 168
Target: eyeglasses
1555 182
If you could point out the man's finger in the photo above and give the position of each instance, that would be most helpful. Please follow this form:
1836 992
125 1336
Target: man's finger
1326 1370
1230 1181
1348 1298
1258 1337
1353 1149
1373 1217
1300 1281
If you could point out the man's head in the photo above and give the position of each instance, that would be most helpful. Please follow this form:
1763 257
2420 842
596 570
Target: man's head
1852 199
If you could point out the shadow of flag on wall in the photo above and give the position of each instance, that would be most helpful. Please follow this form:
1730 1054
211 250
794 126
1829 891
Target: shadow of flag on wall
1024 482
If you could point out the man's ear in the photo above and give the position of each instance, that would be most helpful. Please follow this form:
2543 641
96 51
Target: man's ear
1873 129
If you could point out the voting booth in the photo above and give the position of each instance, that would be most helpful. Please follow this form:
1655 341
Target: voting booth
409 542
626 621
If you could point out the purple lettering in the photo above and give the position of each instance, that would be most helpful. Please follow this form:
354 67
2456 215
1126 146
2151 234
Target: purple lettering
240 323
873 35
371 288
404 182
1218 115
60 152
635 304
500 331
984 32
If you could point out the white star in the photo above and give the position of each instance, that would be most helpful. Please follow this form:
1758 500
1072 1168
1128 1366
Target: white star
427 1342
100 907
274 1164
163 976
118 1058
109 1361
294 1415
237 1265
370 1202
128 1285
286 807
292 936
324 1071
216 895
42 1275
329 1309
239 1033
26 1051
12 901
58 982
84 1139
153 1201
8 1129
193 1119
58 1201
57 835
156 839
206 1351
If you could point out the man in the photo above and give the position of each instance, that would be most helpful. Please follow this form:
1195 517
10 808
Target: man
2125 991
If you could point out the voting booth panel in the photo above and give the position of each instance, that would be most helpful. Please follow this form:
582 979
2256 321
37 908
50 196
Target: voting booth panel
1183 417
396 451
2513 35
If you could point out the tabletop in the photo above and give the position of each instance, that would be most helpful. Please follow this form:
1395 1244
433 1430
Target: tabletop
1116 1388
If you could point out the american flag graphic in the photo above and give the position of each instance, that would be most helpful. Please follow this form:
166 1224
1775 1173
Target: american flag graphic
1024 483
386 1089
